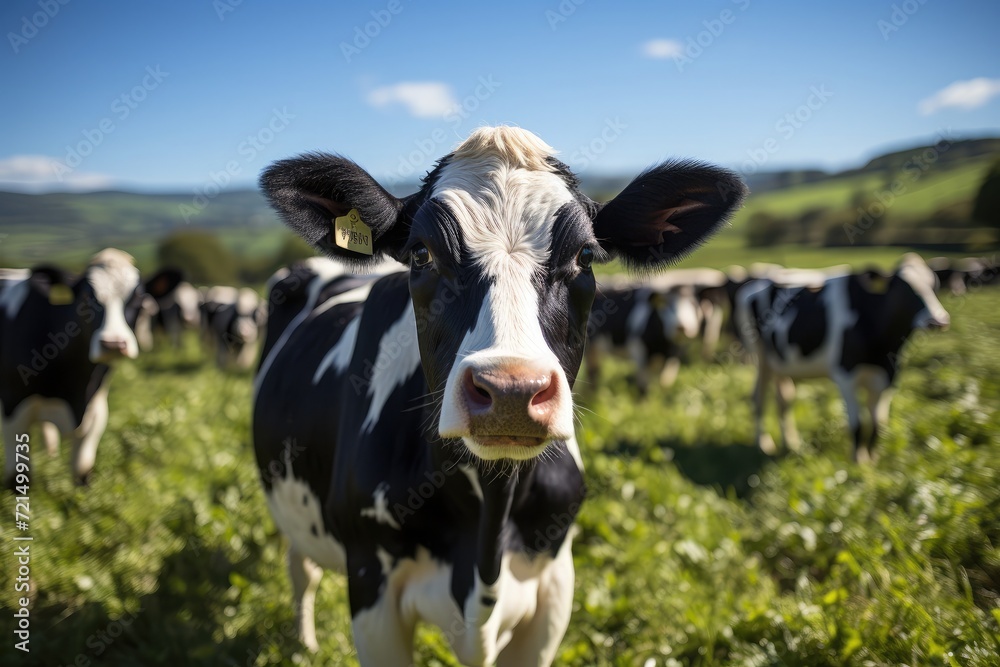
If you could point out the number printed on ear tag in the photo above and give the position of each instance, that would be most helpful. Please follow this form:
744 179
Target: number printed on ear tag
350 233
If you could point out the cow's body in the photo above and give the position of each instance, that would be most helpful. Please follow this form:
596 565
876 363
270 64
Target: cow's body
232 319
844 328
648 323
421 440
58 336
178 307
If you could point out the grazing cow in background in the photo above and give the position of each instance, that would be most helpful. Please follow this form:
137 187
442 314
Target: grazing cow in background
178 307
648 323
422 441
231 321
849 328
58 337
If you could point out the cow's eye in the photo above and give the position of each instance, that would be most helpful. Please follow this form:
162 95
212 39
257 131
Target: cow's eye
420 257
585 258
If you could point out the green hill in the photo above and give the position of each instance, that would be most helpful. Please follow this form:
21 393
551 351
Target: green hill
934 188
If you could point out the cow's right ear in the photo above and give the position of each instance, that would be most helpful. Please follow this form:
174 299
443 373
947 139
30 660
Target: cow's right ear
311 191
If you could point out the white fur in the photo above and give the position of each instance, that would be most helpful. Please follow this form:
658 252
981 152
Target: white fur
505 198
297 519
524 626
340 354
398 358
113 278
380 507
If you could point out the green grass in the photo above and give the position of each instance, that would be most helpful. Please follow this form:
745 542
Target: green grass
921 194
694 548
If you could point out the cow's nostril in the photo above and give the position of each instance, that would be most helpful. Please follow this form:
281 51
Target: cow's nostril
477 395
546 391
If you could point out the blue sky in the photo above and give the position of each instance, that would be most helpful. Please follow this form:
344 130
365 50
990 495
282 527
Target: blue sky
174 95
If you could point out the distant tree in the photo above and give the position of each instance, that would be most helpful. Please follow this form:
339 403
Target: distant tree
291 250
200 255
986 208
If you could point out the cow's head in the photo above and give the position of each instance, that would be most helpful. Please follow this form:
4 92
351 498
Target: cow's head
112 297
913 287
679 311
501 244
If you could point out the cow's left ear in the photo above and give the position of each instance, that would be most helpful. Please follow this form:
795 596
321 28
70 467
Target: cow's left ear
311 191
666 212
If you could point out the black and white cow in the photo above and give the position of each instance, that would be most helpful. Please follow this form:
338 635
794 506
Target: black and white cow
178 307
58 337
422 441
232 319
849 328
648 323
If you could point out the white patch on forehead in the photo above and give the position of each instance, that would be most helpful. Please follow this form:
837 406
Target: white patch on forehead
112 275
398 358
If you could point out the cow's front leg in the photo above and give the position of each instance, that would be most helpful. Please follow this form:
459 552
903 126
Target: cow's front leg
640 359
305 576
383 638
764 440
87 436
50 436
712 329
537 641
671 368
879 398
786 419
850 396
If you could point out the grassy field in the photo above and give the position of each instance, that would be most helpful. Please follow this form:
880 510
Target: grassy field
694 548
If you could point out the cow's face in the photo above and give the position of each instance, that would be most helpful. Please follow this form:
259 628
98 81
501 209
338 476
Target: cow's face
680 313
111 289
913 294
501 244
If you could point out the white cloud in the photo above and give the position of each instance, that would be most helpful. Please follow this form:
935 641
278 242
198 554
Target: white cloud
423 99
969 94
34 173
661 49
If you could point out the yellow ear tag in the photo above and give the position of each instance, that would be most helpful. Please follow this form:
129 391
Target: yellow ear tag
352 234
60 295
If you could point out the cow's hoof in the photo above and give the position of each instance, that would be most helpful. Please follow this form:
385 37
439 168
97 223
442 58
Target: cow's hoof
84 479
